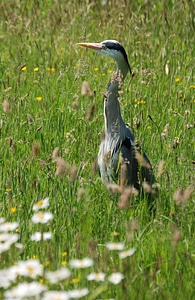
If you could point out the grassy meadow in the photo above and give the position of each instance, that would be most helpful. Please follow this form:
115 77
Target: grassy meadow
50 136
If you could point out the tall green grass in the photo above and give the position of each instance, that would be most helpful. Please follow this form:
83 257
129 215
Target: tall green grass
41 74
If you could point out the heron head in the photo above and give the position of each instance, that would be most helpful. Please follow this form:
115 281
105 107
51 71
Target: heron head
110 48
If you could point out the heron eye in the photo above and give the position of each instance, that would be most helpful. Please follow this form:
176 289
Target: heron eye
104 47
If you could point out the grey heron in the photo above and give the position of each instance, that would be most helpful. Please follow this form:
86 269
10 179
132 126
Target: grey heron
119 140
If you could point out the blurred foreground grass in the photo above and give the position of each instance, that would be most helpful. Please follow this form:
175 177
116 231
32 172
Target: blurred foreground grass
41 74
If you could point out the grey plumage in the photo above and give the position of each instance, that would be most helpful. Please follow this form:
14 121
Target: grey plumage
118 146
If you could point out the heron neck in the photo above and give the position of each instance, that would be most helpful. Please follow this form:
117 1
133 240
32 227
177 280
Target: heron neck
114 124
123 68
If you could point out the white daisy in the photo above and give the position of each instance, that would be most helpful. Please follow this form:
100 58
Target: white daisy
58 275
41 204
55 295
9 237
81 263
75 294
19 246
38 236
7 276
115 278
30 268
42 217
2 220
96 276
25 289
127 253
8 226
7 240
115 246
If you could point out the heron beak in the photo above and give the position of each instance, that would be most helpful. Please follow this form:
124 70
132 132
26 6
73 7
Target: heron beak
94 46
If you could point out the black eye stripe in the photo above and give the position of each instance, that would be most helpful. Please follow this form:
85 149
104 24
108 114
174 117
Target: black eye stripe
117 47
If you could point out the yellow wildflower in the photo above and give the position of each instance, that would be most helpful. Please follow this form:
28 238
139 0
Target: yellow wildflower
149 127
64 254
96 69
75 280
64 263
47 263
13 209
24 68
36 69
51 69
139 102
192 86
142 101
8 190
178 79
115 233
41 280
38 98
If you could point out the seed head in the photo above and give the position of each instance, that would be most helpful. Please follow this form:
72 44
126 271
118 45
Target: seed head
181 196
55 153
161 168
6 106
35 149
142 161
176 236
125 197
90 112
85 89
